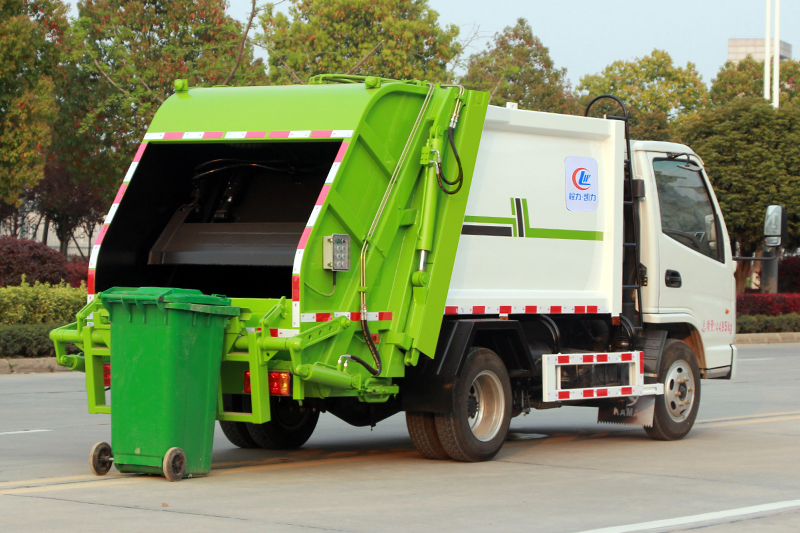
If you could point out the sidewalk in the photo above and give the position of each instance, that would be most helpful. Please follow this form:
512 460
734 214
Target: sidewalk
766 338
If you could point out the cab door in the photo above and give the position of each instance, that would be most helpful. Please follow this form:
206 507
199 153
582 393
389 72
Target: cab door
696 267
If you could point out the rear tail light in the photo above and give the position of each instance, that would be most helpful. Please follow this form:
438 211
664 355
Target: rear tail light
280 383
247 382
107 374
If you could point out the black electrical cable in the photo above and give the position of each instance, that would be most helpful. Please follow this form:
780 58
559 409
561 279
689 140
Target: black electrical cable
459 181
372 349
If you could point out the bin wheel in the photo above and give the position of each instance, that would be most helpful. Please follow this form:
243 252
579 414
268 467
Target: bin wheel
237 434
101 459
478 426
291 426
676 411
174 464
422 430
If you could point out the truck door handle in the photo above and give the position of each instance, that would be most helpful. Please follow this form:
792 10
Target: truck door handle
673 279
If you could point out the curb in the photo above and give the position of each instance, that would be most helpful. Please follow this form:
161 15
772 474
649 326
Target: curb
766 338
25 365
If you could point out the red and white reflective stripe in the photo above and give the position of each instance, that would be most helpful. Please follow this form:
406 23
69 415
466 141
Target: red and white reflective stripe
326 317
277 332
235 135
551 376
602 392
298 256
524 309
90 281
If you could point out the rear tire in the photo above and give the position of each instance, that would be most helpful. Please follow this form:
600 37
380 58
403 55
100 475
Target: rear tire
478 426
422 430
237 434
291 426
676 411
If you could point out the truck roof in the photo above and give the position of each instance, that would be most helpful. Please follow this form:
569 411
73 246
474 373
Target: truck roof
663 146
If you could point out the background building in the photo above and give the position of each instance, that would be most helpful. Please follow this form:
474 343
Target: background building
739 49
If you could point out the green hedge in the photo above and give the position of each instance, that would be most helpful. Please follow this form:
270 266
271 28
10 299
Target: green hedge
768 324
40 303
29 340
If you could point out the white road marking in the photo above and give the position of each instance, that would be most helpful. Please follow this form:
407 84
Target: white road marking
757 359
718 515
24 431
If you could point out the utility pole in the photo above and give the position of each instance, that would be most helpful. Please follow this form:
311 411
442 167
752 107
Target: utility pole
776 89
767 55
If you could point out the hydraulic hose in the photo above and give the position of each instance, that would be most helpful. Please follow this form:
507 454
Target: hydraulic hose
363 258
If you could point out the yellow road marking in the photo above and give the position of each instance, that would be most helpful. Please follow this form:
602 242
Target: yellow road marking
43 480
76 486
318 462
751 421
763 415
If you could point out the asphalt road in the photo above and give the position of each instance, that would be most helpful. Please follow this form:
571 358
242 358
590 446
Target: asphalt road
559 472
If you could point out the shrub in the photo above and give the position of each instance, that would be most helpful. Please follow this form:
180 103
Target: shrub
29 340
78 272
789 275
32 259
767 304
40 302
768 324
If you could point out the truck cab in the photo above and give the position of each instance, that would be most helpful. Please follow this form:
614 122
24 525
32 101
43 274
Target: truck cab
686 254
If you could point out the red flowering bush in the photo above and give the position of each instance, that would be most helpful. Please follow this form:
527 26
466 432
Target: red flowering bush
78 270
767 304
34 260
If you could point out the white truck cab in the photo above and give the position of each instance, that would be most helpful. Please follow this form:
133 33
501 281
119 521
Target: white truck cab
687 253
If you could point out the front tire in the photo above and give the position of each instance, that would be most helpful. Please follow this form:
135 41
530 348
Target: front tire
478 426
676 411
174 464
290 427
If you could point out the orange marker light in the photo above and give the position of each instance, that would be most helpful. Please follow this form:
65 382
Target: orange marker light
280 383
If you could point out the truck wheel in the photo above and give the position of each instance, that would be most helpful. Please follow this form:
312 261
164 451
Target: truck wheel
100 459
422 430
477 427
174 464
676 410
291 426
237 434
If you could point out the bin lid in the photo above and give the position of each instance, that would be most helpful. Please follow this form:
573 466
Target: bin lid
158 295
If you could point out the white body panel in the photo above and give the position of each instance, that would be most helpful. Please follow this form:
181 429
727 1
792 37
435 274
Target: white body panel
555 262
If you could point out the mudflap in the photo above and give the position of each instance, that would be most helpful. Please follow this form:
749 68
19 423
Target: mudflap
636 411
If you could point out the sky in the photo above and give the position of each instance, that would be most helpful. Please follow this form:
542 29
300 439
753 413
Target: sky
584 36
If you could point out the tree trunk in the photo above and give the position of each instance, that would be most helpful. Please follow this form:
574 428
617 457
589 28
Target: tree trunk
46 230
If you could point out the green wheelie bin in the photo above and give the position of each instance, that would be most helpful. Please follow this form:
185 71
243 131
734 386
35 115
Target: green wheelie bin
166 352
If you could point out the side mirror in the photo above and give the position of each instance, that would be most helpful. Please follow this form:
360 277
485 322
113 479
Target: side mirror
776 230
711 232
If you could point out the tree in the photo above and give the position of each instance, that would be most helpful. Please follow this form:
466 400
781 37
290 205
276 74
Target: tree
653 88
389 38
752 156
746 79
30 36
516 67
68 203
126 55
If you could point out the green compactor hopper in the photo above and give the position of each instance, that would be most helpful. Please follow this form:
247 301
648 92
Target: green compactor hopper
329 213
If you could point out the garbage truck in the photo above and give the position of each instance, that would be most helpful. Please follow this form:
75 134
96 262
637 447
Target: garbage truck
363 246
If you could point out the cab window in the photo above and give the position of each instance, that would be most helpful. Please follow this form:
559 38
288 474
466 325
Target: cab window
687 214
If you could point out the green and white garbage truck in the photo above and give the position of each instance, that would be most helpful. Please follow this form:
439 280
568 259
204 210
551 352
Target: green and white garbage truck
387 246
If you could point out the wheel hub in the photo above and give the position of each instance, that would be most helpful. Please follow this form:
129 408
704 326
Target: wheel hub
485 406
679 387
